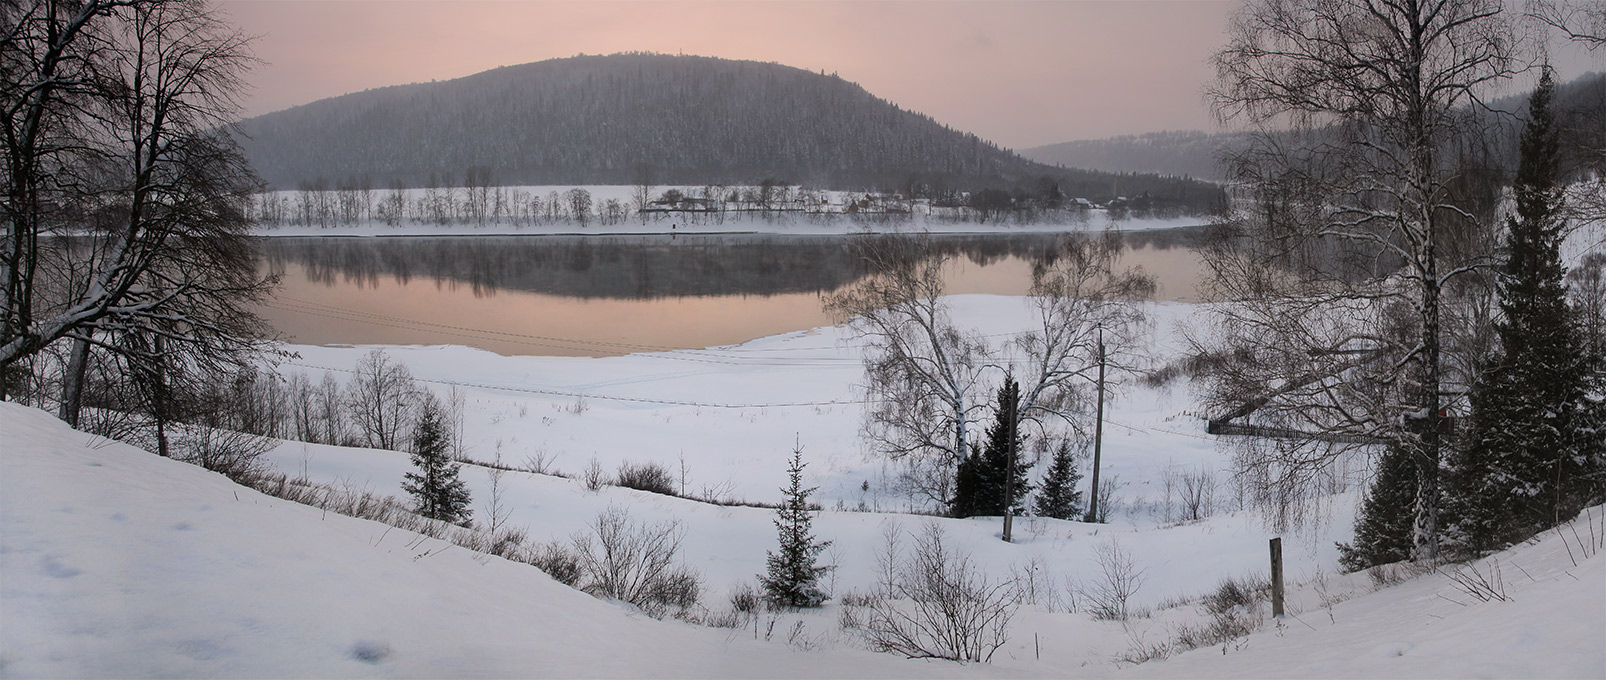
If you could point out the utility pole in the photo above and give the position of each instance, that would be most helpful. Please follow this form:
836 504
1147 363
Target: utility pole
1098 438
1009 476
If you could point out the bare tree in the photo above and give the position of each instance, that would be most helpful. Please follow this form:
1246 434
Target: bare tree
477 193
579 204
331 411
1582 21
1338 279
1088 313
1197 493
1079 296
641 195
381 399
126 197
923 375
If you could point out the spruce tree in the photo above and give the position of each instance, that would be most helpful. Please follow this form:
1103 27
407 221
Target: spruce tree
980 481
970 482
792 578
1383 528
1527 462
435 488
1060 498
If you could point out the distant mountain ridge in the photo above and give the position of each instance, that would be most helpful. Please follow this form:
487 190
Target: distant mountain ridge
1182 153
1194 153
678 120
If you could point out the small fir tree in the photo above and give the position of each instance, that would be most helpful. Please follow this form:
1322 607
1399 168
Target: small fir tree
793 575
1060 498
435 488
1383 528
1528 460
982 477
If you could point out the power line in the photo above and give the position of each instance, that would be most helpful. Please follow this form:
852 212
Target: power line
332 312
583 395
1140 428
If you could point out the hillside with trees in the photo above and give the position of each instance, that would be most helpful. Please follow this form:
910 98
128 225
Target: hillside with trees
660 119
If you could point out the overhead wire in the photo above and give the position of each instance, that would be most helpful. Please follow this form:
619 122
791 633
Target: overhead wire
657 351
604 397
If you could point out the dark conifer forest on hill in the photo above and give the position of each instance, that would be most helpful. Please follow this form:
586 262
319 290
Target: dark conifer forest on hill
622 118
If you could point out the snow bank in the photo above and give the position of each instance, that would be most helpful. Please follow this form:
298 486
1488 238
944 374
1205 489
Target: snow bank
118 563
1552 624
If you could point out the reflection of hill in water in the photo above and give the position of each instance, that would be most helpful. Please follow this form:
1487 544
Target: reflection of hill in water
632 267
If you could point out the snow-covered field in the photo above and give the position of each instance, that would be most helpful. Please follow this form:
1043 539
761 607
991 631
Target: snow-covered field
729 418
114 562
732 414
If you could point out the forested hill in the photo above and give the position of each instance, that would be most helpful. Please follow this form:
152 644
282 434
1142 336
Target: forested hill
688 120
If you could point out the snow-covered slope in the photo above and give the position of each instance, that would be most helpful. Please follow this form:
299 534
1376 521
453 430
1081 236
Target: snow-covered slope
117 563
1551 624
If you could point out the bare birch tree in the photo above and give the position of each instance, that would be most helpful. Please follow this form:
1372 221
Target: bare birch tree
1581 21
1079 298
923 375
1334 332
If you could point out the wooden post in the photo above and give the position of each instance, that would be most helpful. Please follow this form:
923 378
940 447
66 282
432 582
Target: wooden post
1276 577
1098 440
1009 473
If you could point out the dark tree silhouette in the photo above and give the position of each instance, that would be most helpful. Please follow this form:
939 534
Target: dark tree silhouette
982 485
1531 458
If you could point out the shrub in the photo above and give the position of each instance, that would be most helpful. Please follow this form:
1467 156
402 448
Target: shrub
941 606
634 563
1233 593
745 599
559 562
1107 596
237 455
650 477
593 477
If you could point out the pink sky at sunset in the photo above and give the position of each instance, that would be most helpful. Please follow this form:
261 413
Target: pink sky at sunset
1017 73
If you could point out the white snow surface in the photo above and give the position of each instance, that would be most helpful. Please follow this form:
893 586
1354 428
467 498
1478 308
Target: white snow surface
117 563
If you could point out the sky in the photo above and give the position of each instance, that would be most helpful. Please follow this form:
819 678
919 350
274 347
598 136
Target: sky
1018 73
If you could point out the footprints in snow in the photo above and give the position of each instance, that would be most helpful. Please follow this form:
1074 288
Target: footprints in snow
369 651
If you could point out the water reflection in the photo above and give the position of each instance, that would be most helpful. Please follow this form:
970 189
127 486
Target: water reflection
599 296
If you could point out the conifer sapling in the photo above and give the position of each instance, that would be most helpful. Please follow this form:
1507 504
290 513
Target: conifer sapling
793 573
1059 497
435 488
